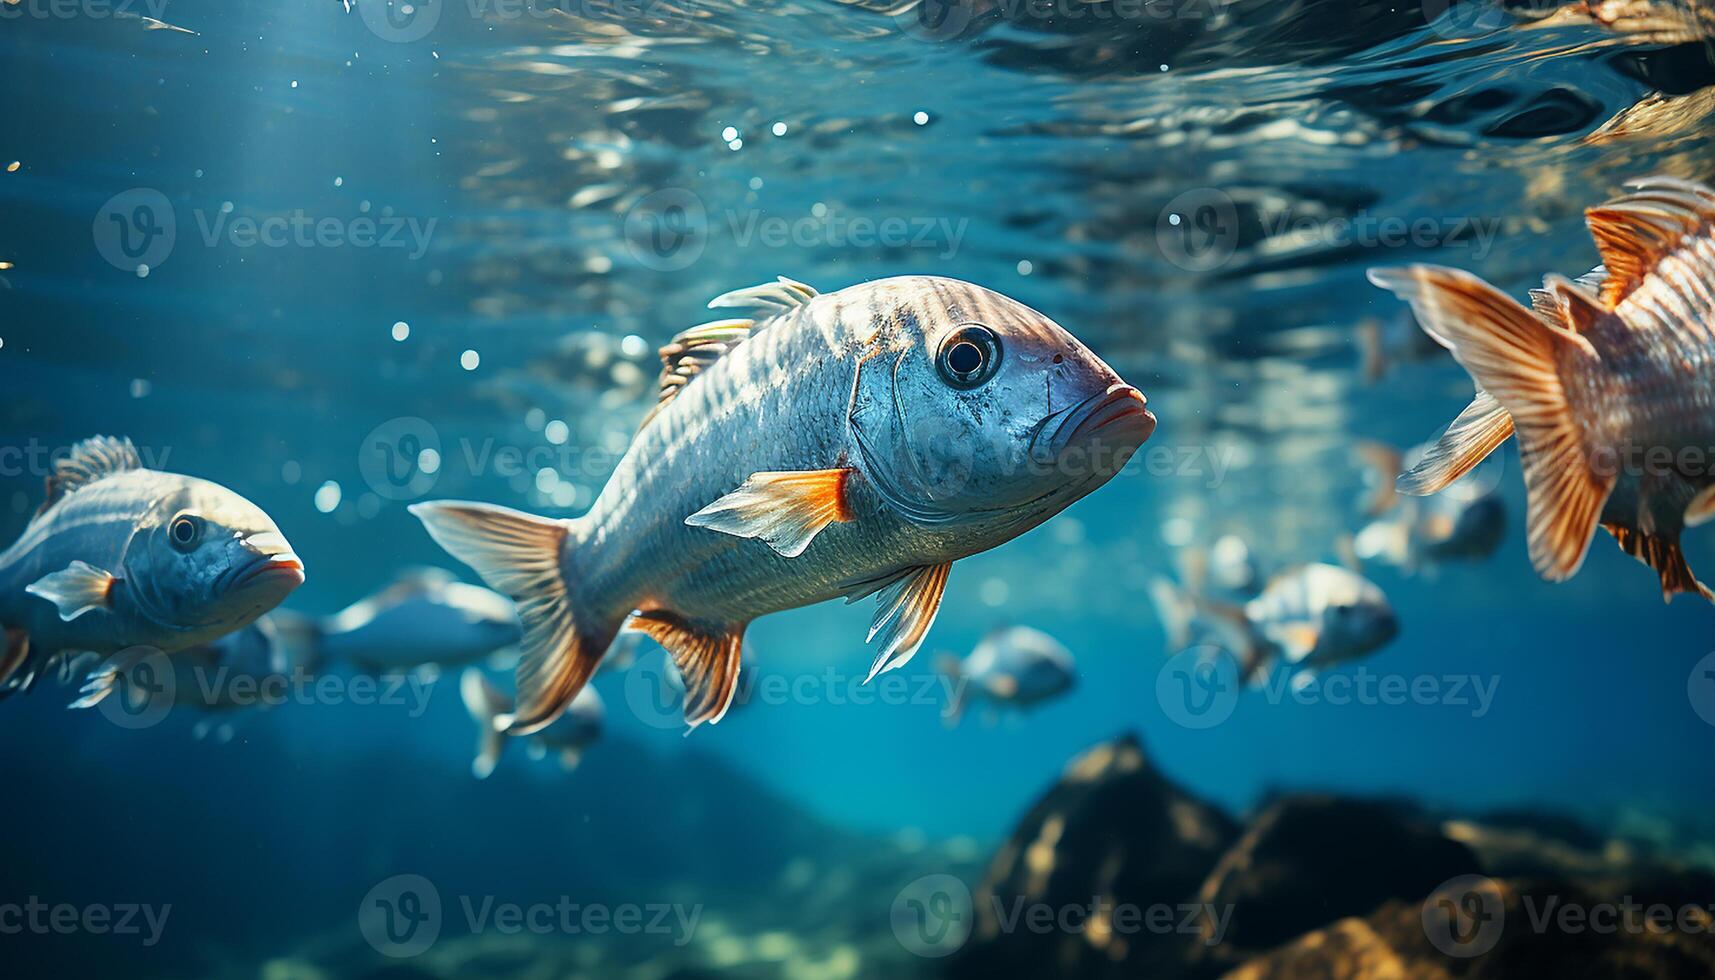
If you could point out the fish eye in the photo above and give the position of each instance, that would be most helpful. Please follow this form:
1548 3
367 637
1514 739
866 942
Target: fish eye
185 532
969 356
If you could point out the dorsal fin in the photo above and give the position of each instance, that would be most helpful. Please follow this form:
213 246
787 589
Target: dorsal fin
691 352
1544 302
773 297
1636 231
90 460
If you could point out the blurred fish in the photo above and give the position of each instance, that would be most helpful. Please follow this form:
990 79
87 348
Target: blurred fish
1016 667
124 559
842 445
1395 340
1610 381
1465 522
425 619
235 671
577 728
1307 618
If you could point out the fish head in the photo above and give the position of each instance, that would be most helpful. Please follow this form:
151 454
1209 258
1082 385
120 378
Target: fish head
1357 617
208 561
977 406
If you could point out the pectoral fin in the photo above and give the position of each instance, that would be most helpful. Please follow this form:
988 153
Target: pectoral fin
707 655
75 589
786 509
904 612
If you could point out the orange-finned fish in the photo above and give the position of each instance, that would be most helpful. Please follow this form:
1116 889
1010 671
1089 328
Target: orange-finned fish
846 444
1609 381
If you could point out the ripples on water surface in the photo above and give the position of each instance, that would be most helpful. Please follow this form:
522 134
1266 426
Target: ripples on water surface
1193 187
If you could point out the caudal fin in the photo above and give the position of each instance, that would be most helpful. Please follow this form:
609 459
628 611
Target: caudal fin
523 557
1513 354
485 703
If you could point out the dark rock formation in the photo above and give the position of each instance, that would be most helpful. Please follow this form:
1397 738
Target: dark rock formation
1307 861
1528 938
1113 833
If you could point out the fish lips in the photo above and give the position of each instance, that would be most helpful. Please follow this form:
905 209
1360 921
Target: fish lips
271 568
1106 428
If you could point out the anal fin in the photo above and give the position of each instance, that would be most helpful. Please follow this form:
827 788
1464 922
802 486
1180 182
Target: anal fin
787 509
1664 555
904 612
708 658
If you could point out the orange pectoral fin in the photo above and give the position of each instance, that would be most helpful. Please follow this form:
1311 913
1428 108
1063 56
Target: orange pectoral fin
786 509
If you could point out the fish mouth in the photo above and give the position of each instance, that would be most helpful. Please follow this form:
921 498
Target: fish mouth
281 568
1120 414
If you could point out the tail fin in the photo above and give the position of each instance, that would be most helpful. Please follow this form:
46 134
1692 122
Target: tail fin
948 666
522 556
1512 354
485 703
1478 431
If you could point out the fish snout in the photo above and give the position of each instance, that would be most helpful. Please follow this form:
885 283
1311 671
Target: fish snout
268 560
1112 423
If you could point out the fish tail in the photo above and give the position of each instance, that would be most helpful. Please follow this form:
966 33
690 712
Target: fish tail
525 557
948 667
1176 609
1512 354
1478 431
485 703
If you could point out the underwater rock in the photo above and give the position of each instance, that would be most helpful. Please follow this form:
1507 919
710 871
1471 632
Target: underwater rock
1113 832
1521 935
1306 861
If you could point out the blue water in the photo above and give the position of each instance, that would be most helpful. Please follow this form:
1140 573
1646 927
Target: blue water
1036 157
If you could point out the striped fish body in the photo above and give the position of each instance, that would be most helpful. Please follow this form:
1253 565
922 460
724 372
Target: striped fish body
94 526
848 443
122 557
1646 407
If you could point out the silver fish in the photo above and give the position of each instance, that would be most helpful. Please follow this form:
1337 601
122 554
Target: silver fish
845 444
1609 382
576 729
122 558
1465 522
427 618
1307 618
1015 666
